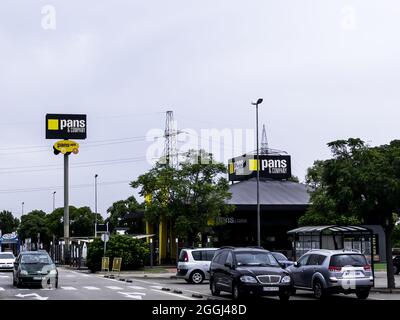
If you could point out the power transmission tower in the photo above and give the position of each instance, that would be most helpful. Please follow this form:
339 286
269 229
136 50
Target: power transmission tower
170 135
264 141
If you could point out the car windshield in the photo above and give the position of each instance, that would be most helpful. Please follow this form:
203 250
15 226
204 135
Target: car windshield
6 256
342 260
36 259
256 259
279 256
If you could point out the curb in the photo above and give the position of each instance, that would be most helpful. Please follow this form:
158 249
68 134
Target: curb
386 290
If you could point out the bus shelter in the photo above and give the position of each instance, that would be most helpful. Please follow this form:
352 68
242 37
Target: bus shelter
333 237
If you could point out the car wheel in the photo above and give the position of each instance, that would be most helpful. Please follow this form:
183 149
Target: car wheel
362 295
395 270
235 292
318 289
213 287
197 277
284 296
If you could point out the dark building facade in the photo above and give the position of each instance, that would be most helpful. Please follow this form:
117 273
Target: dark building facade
282 203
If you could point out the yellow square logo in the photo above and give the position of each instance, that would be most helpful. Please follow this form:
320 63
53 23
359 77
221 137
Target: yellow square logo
52 124
253 164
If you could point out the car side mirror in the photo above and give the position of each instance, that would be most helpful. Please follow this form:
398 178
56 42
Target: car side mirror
228 265
296 264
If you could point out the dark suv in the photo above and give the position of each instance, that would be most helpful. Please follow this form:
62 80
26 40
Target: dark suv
244 271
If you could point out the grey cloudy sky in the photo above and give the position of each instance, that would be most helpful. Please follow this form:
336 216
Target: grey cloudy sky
326 70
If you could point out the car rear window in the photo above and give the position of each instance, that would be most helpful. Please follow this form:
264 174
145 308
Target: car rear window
182 256
203 255
342 260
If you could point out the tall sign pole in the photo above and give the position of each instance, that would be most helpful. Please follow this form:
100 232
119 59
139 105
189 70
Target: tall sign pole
66 206
66 126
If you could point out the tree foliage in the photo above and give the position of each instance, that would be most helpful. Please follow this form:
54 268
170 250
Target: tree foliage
8 223
119 209
190 196
359 184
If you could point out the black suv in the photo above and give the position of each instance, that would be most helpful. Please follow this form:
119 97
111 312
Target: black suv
244 271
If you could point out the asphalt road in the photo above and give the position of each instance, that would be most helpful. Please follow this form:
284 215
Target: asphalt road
75 285
81 286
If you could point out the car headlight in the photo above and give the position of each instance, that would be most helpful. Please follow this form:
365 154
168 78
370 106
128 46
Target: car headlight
286 279
53 272
24 273
248 279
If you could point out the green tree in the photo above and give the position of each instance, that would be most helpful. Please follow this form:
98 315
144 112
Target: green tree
8 223
120 208
81 222
33 223
189 197
359 184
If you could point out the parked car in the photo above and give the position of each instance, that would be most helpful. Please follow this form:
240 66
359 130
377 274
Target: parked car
396 264
332 271
7 260
194 264
34 267
282 259
246 271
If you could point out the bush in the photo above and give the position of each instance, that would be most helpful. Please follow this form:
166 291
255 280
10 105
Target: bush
133 252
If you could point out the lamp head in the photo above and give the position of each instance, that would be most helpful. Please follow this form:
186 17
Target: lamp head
259 101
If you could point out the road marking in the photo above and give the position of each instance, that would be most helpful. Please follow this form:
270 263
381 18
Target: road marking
173 294
68 288
114 288
68 275
38 297
136 288
133 295
156 287
1 289
92 288
4 276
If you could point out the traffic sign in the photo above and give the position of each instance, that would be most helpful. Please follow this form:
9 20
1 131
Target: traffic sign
105 237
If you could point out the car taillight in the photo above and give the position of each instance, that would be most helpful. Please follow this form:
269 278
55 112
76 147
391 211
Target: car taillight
367 267
185 257
334 269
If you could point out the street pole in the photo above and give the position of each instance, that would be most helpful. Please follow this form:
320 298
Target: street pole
66 209
22 208
151 253
95 204
177 252
258 178
54 201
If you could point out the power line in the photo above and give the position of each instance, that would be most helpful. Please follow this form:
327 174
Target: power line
78 186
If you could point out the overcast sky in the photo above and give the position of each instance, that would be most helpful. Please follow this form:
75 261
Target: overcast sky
327 70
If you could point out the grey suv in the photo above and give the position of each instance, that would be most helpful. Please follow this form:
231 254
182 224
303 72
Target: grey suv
332 271
194 264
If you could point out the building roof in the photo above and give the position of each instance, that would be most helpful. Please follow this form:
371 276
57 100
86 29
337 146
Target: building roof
272 192
329 229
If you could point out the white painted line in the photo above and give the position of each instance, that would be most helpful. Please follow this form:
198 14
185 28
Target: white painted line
173 294
4 276
114 288
68 288
92 288
156 287
136 288
1 289
68 276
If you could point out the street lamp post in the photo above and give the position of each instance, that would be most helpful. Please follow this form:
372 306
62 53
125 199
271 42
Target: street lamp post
95 204
54 201
259 101
22 208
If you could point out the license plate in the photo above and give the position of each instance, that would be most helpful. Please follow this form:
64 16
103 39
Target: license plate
354 273
37 278
271 288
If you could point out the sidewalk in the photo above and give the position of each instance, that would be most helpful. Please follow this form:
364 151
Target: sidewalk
381 283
